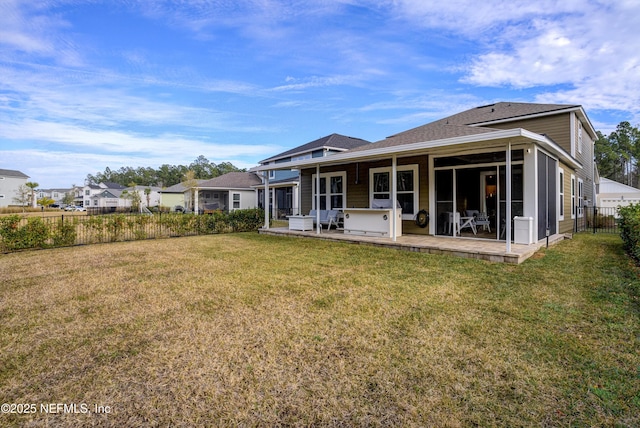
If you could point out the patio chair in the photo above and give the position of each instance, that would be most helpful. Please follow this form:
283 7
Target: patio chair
482 219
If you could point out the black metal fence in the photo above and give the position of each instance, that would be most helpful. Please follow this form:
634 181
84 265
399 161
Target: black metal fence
18 232
597 220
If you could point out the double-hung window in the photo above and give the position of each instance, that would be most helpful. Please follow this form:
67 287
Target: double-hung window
406 187
236 201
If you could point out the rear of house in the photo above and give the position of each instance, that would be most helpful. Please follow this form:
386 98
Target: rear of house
529 163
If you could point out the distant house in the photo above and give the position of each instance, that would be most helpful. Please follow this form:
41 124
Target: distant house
173 196
107 199
10 182
154 195
83 194
57 195
228 192
284 186
612 194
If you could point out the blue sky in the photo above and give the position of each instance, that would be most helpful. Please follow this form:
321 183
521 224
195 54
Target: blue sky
86 85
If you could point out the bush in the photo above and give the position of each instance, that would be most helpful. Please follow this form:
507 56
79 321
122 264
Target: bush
64 233
630 229
33 234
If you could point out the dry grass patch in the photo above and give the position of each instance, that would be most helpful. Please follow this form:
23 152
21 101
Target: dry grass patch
254 330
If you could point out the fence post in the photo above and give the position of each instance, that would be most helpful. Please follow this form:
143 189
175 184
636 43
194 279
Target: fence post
595 215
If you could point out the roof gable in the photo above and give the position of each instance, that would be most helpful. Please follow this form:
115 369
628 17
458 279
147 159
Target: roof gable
334 141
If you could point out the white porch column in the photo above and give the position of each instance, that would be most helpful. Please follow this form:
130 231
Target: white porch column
508 183
394 194
319 226
266 200
195 201
274 205
298 201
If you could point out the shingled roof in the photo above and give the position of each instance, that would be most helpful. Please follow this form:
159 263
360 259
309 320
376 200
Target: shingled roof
467 123
430 132
232 180
503 112
332 141
12 173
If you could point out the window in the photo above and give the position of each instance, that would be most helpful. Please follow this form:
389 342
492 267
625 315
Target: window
573 196
236 200
406 187
272 174
579 137
332 192
561 194
87 192
580 200
302 157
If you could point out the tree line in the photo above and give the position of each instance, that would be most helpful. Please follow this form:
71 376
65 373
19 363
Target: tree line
618 153
166 175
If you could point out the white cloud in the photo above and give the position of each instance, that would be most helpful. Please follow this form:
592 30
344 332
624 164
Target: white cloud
594 53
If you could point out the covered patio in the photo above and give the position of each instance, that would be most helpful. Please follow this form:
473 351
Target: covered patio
480 249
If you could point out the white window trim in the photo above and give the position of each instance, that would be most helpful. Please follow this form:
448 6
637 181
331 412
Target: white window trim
416 186
327 176
573 196
233 201
561 194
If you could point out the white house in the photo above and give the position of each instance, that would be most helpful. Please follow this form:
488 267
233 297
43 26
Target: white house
10 181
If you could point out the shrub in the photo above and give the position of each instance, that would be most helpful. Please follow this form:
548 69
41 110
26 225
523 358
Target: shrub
64 233
630 229
33 234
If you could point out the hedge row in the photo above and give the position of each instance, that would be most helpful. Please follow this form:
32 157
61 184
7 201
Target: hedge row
18 233
630 229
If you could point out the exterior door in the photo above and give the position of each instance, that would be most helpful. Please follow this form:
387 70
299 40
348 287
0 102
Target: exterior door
547 195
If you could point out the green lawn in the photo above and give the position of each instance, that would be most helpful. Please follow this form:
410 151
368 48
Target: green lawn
252 330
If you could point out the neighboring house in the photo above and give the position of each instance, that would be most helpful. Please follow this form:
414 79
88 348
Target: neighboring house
56 194
154 195
108 199
284 183
228 192
10 181
83 194
612 194
173 196
504 159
